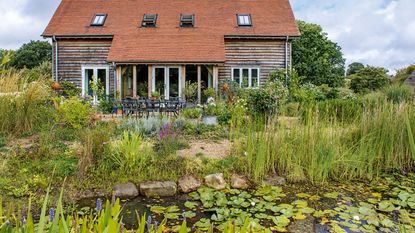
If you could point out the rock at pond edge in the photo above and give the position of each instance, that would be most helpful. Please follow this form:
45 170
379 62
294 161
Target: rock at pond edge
158 188
239 182
215 181
126 190
188 184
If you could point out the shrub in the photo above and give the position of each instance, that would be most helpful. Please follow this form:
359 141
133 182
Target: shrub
148 127
170 141
208 93
192 113
261 101
190 91
369 79
398 93
74 112
70 89
106 106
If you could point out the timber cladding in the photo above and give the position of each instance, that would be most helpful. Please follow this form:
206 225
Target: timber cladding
267 55
73 54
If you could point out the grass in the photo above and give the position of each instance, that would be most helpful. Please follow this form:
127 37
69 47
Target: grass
320 150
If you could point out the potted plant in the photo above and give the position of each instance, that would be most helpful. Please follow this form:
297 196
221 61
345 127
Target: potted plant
210 113
155 95
56 86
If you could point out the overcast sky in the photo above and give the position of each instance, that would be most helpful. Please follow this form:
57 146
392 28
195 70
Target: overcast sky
375 32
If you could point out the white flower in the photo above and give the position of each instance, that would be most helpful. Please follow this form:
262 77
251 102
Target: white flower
252 203
245 153
355 217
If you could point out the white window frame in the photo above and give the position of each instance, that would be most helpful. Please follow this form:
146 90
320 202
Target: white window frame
166 80
95 68
249 75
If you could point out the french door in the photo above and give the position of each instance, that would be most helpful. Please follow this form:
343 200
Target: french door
167 81
95 82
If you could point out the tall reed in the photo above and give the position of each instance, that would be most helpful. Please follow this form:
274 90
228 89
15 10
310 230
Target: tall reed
22 103
319 150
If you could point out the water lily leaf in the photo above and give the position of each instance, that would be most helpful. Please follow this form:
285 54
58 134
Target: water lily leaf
278 229
314 198
303 195
203 224
172 209
300 203
367 211
332 195
281 221
191 204
261 216
299 216
404 196
307 210
158 209
377 195
386 206
172 215
387 223
194 195
190 214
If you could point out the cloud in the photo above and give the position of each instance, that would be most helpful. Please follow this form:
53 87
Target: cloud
24 20
375 32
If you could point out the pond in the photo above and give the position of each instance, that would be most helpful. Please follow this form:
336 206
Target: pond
387 205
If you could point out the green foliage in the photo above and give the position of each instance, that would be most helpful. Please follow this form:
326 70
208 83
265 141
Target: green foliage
6 57
32 54
40 72
131 151
208 93
23 104
148 127
398 93
261 102
354 67
106 106
190 91
70 89
341 110
192 113
317 59
74 112
369 79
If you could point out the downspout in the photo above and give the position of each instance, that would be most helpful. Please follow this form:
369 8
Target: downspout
286 59
56 58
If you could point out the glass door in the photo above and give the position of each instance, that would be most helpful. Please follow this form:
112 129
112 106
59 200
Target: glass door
95 82
174 82
167 81
159 81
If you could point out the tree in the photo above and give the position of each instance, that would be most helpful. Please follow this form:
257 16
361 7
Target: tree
369 79
354 67
317 59
32 54
403 74
5 57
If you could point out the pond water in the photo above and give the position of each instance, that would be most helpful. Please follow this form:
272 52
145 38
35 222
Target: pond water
384 206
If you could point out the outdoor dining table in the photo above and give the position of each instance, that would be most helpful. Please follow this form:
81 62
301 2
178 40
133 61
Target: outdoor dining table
145 107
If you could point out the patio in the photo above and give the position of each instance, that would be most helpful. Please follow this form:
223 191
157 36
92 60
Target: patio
143 107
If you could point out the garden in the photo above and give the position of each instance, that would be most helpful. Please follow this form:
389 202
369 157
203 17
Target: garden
309 151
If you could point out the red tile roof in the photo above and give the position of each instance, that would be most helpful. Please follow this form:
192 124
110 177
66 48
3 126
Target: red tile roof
214 19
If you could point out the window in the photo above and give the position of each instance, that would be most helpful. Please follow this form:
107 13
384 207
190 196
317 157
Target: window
187 21
149 20
244 20
246 77
98 20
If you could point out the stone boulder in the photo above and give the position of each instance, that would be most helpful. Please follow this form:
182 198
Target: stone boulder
239 182
158 188
189 183
275 181
126 190
215 181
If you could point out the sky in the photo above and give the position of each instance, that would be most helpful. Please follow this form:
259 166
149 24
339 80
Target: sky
373 32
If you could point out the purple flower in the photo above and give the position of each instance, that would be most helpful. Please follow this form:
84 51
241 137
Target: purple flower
51 214
7 224
24 221
99 205
155 226
149 220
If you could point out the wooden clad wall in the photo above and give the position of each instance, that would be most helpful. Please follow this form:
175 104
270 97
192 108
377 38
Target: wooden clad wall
73 54
268 55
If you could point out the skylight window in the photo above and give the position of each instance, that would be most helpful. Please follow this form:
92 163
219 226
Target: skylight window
99 20
149 20
187 21
244 20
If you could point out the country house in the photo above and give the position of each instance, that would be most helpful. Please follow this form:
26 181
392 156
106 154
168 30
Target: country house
137 47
